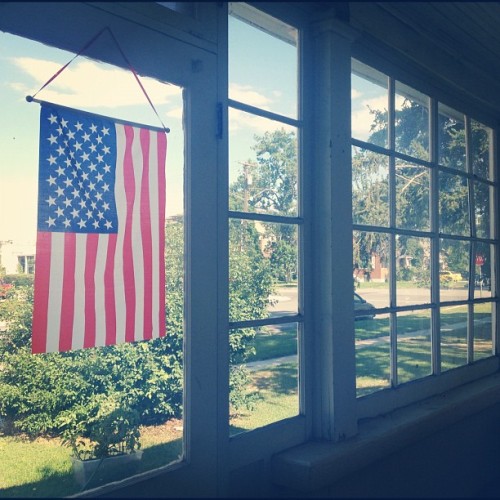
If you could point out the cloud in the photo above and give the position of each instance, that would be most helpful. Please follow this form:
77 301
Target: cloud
90 84
175 113
355 94
246 94
362 119
239 120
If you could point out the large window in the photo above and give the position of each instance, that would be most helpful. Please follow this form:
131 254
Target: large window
264 224
58 408
423 238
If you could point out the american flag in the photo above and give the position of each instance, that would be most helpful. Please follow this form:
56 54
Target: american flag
100 269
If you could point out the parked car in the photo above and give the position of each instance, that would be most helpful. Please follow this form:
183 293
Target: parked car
360 304
449 277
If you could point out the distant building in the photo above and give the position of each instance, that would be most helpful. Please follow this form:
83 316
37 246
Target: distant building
17 257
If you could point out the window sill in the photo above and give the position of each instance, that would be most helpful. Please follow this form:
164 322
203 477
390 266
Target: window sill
317 465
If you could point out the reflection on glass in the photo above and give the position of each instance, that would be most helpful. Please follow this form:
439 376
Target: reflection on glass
480 149
454 269
369 103
482 205
451 138
263 259
256 76
483 331
453 204
370 188
371 267
413 274
414 345
263 376
373 358
482 270
262 167
453 337
412 122
412 196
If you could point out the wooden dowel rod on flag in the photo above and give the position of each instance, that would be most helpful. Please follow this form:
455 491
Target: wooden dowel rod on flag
39 101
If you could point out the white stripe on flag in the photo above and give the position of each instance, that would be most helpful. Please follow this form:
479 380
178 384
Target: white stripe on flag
55 292
137 252
121 210
102 250
79 305
153 196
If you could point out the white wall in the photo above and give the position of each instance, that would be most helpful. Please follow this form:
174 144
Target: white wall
9 253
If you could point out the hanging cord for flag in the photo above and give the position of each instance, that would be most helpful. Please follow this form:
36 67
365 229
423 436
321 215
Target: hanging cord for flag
83 49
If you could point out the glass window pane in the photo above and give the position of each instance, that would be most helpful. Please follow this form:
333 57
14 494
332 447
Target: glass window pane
263 376
451 138
483 269
414 345
371 267
370 188
373 358
262 165
483 331
413 275
483 194
262 62
263 261
412 196
412 122
454 269
369 104
454 204
453 337
480 150
90 390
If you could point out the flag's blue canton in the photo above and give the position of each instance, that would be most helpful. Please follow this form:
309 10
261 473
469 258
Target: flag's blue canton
76 172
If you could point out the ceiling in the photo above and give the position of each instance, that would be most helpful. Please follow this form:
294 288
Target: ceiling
458 42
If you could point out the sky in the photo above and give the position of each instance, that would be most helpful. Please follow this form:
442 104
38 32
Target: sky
262 73
87 85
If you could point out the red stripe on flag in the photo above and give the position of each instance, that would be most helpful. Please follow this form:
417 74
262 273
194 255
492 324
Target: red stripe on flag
109 291
147 243
90 314
42 286
128 258
68 293
162 152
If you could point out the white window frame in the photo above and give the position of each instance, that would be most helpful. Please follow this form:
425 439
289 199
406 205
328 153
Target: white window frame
263 442
384 400
192 64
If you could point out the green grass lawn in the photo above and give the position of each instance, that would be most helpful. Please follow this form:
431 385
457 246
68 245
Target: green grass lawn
42 468
277 390
274 342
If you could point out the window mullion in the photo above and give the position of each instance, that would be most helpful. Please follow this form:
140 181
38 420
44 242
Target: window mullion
495 233
391 122
434 213
472 246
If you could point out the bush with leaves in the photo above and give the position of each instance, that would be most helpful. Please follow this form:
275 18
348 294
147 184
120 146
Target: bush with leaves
36 391
105 426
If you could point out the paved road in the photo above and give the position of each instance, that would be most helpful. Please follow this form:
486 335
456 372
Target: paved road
286 303
286 297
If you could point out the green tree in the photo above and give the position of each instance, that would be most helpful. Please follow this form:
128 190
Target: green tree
371 186
268 184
